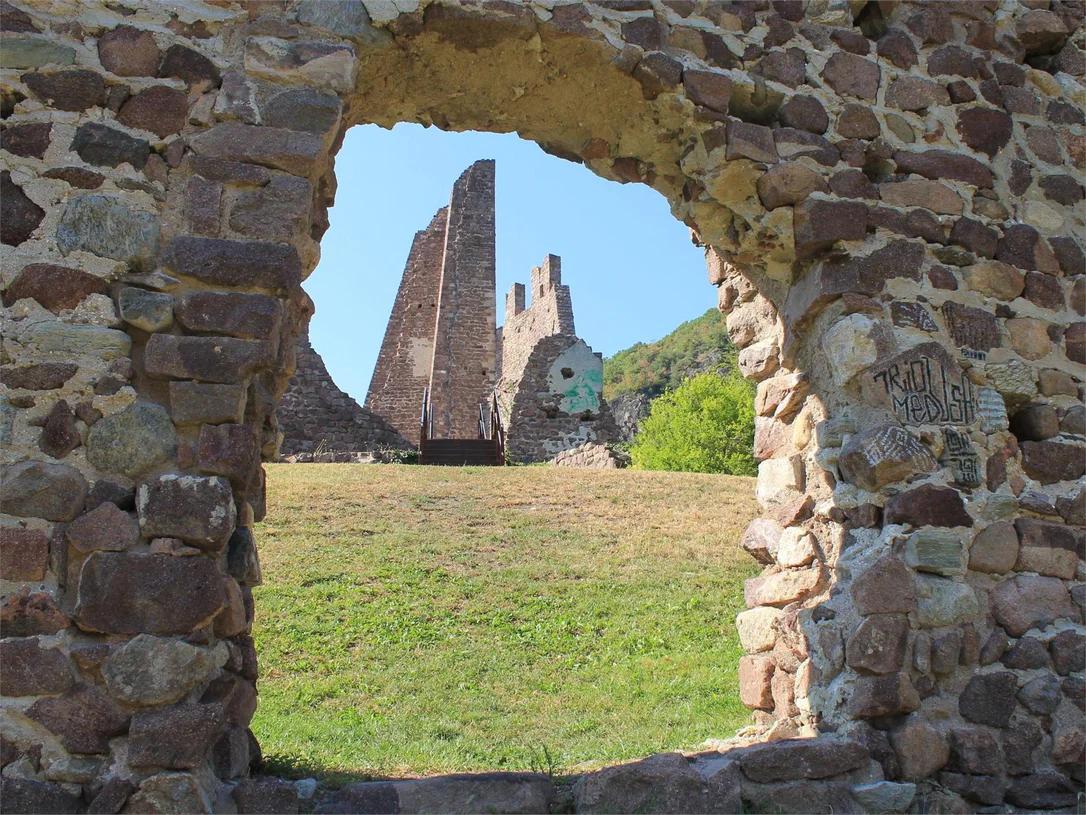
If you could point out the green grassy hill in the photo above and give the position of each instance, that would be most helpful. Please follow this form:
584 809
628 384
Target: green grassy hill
421 620
651 368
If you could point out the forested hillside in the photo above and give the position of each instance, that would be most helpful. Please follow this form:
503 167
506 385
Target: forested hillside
651 368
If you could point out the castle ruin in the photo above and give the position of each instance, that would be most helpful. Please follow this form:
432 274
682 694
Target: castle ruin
441 339
890 196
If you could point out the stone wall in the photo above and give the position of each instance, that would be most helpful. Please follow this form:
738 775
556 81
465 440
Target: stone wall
551 312
465 347
592 455
556 403
315 415
550 391
402 372
891 195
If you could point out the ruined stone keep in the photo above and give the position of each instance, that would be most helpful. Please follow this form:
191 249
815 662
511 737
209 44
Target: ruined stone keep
890 199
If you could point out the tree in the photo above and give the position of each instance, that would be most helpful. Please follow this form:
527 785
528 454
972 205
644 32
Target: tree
705 425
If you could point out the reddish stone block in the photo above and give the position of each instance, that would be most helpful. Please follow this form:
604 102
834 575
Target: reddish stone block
24 554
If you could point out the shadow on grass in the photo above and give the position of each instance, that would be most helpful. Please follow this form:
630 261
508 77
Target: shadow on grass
294 769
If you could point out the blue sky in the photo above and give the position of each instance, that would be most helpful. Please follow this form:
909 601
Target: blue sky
632 271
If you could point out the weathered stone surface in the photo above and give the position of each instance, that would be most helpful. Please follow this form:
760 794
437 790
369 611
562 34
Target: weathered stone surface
106 226
818 224
915 93
146 310
109 147
24 553
971 327
885 587
231 450
927 505
127 593
19 216
177 738
848 73
106 528
750 141
303 109
223 360
22 795
513 792
35 489
27 669
881 455
1050 461
942 602
974 750
879 644
1047 548
1068 652
994 279
794 759
200 403
1041 695
1045 291
79 177
984 129
783 587
661 783
132 441
1027 601
155 671
278 148
53 287
188 65
757 628
83 719
944 164
266 795
40 376
921 749
876 696
884 796
75 89
805 113
755 681
1043 790
274 212
989 698
59 435
788 184
128 51
169 792
160 109
922 192
994 549
29 140
198 510
938 551
24 53
268 266
26 613
249 316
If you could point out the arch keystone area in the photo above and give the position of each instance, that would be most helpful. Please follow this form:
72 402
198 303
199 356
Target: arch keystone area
890 199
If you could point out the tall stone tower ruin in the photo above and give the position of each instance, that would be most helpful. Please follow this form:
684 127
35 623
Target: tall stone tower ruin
441 332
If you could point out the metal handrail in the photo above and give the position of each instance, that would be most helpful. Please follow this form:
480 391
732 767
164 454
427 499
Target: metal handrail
427 421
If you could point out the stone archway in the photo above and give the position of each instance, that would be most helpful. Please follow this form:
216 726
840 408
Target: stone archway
886 196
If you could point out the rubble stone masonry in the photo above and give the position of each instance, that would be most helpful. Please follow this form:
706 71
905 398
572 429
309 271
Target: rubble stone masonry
890 196
403 367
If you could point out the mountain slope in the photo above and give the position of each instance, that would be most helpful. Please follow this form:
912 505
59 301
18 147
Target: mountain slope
634 377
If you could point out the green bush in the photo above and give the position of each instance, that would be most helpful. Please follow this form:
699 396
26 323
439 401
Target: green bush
705 425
